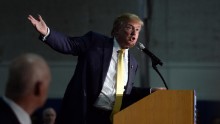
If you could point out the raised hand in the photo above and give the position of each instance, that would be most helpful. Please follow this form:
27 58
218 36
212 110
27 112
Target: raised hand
39 24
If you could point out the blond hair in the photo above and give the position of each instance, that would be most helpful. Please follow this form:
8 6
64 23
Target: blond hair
123 19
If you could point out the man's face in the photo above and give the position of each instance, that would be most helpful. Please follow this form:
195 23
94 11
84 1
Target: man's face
49 116
127 35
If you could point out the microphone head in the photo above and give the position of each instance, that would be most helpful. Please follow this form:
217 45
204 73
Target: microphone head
141 46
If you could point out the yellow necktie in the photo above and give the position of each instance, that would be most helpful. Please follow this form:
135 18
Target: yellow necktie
119 83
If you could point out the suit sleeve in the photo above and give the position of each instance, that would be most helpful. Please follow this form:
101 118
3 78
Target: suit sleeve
66 44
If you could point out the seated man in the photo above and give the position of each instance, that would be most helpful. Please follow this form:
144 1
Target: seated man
26 89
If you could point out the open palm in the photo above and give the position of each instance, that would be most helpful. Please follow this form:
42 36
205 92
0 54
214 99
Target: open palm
39 24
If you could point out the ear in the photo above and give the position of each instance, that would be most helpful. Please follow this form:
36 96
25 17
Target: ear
38 89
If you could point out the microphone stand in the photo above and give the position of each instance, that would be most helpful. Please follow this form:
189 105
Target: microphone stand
154 59
154 65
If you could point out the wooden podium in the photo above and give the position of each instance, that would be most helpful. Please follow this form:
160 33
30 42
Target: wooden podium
160 107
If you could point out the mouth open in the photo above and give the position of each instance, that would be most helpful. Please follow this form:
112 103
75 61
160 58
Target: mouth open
132 41
133 38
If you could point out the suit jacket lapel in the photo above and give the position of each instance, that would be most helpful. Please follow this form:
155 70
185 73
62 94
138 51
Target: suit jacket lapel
132 68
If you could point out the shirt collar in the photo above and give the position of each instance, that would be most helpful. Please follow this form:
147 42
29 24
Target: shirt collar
117 47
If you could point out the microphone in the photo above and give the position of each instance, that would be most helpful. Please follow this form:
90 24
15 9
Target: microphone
150 54
154 60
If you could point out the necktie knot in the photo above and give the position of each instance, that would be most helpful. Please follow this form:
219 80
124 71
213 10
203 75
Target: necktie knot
122 51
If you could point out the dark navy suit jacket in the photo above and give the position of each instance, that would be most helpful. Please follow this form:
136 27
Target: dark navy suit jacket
7 116
94 53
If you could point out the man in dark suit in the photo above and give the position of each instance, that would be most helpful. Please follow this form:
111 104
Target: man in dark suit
26 89
90 95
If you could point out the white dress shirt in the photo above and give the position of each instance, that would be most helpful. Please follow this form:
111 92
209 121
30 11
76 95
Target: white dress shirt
107 96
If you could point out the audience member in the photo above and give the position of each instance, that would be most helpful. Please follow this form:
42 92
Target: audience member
26 89
49 116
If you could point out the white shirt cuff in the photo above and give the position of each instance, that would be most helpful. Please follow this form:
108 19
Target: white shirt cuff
48 32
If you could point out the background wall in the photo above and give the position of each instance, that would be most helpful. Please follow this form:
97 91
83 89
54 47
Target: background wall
186 34
183 34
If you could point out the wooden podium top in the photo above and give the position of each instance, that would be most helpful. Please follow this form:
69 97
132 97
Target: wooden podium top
160 107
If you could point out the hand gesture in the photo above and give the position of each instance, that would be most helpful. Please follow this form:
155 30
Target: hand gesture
39 24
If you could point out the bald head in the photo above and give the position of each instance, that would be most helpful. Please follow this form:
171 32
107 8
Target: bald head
29 77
